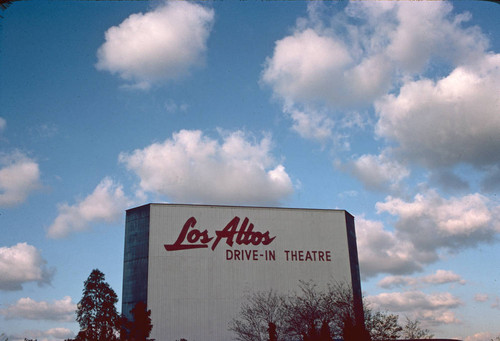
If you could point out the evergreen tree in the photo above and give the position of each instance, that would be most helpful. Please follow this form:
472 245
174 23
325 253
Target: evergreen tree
141 325
96 311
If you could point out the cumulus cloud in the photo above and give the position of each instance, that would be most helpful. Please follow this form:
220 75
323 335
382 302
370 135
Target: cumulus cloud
424 227
496 303
431 221
491 180
481 297
408 300
428 31
57 333
390 282
429 308
19 177
341 63
43 131
191 167
482 336
382 54
448 180
439 277
447 122
311 124
105 204
381 251
303 65
29 309
443 277
315 66
22 263
162 44
172 107
377 172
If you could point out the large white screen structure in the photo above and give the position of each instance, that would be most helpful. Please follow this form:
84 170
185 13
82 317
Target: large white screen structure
194 264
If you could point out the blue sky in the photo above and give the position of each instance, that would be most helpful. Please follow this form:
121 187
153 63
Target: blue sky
389 110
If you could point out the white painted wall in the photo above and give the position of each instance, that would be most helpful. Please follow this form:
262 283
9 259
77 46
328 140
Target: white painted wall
194 293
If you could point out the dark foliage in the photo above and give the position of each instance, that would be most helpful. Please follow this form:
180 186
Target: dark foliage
96 311
354 332
324 332
382 326
311 315
412 330
272 332
140 327
316 315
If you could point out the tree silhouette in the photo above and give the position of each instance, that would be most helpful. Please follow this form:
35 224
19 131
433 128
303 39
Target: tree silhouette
261 309
317 315
310 315
141 325
352 332
324 332
96 311
272 332
412 330
383 326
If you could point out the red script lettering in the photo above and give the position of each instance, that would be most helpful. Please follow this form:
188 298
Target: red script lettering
192 238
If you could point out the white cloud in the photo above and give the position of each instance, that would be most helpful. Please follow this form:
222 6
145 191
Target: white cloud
448 180
432 222
496 303
482 336
340 63
428 308
22 263
311 124
429 30
303 65
172 107
19 176
3 123
57 333
381 54
481 297
439 277
491 180
390 282
316 66
159 45
454 120
191 167
443 277
381 251
106 204
44 131
29 309
423 228
377 172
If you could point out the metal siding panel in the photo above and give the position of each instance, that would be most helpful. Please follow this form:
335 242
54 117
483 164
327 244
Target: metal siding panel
355 276
135 264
